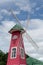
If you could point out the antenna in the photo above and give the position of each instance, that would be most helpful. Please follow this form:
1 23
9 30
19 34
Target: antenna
27 35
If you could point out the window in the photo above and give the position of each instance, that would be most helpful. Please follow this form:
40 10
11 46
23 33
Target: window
13 52
22 53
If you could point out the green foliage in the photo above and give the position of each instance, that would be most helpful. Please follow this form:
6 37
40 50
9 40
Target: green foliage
3 58
2 63
30 61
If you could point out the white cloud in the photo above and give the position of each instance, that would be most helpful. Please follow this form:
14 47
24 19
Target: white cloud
1 17
36 23
6 25
41 58
5 11
4 35
16 12
4 1
37 8
36 34
41 15
35 29
23 5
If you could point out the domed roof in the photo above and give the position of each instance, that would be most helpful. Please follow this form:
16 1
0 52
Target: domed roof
17 28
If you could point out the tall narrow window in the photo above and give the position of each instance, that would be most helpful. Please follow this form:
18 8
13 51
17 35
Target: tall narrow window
13 52
22 53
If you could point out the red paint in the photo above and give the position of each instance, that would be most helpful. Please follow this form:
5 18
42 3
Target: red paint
16 43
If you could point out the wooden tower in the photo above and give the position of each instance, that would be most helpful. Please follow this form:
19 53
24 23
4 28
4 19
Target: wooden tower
16 55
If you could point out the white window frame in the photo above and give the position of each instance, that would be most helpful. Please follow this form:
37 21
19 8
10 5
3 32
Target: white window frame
11 53
20 53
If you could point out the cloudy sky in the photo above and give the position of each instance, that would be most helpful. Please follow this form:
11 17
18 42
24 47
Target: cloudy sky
25 10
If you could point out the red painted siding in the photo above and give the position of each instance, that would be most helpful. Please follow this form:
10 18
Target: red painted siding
18 43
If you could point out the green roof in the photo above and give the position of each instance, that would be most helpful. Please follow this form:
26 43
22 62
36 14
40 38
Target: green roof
17 28
32 61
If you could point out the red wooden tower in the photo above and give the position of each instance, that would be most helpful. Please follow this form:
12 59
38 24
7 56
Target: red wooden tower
16 55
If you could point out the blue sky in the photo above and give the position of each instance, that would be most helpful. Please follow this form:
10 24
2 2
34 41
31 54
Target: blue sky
25 10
